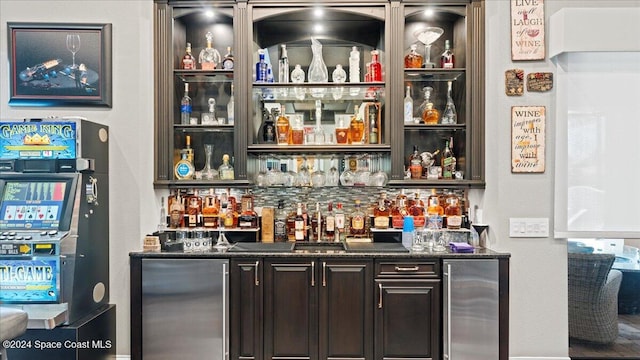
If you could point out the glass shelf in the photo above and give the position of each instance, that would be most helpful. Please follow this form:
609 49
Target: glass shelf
205 76
203 128
434 127
433 74
317 149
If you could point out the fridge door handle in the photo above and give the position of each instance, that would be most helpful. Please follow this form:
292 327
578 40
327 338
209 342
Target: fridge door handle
225 325
447 332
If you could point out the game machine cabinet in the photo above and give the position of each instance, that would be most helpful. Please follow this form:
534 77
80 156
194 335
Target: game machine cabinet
54 237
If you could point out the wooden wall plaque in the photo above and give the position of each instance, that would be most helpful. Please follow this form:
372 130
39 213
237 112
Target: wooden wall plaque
527 30
527 139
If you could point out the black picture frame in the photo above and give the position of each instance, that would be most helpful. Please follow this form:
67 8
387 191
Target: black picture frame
60 64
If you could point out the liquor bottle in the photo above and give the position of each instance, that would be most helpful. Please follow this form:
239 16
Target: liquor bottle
448 160
340 223
417 210
261 67
248 218
280 223
399 211
342 132
297 132
381 213
231 108
329 224
283 127
188 149
209 57
413 60
339 75
415 163
226 170
268 127
449 114
185 106
194 210
433 204
228 216
209 118
375 66
316 224
430 115
210 210
357 228
176 211
283 65
291 223
453 213
356 127
184 169
447 59
228 61
297 75
162 224
372 112
188 61
300 225
408 106
39 71
354 65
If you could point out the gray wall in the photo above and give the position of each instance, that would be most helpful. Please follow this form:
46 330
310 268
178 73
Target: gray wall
538 268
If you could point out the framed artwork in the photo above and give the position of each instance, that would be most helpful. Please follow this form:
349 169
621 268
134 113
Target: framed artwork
527 139
527 30
60 64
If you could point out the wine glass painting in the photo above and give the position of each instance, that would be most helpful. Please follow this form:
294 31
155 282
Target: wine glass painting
60 64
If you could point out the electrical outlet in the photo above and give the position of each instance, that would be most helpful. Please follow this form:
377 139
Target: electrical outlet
528 227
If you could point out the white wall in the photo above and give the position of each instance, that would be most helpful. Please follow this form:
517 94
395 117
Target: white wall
132 201
538 327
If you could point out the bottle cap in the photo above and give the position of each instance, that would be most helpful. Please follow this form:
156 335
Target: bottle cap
407 224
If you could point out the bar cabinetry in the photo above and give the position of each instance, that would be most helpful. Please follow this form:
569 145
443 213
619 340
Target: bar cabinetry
381 29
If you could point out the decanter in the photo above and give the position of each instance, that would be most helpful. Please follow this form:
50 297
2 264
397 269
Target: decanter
297 75
449 115
209 172
339 75
318 72
209 57
430 115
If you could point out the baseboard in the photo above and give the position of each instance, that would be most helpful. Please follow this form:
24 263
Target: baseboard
538 358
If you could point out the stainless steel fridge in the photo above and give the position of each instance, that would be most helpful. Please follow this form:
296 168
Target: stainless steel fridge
470 307
185 306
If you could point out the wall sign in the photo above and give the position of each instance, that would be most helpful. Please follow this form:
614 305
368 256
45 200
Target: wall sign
527 139
539 81
514 82
527 30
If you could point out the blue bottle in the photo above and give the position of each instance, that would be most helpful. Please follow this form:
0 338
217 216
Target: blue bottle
261 67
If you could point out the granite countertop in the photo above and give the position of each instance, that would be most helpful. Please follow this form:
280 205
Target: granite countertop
352 250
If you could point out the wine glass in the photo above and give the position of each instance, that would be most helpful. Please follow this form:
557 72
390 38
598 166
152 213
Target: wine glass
261 176
73 45
428 36
318 176
333 175
379 177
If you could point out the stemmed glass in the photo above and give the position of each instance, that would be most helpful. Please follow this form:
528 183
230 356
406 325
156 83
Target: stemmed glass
379 177
274 175
261 176
348 176
73 45
303 178
428 36
318 176
362 171
333 175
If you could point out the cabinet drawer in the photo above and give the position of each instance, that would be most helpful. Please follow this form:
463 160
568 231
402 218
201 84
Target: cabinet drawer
414 269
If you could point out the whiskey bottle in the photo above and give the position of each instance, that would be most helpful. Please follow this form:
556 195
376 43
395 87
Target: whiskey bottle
194 210
188 61
342 132
447 59
209 57
185 106
210 210
283 127
226 170
357 228
453 213
329 224
399 211
381 213
228 61
356 127
433 204
248 218
176 211
430 115
449 114
297 132
448 160
413 60
415 163
280 223
417 210
316 224
300 225
228 216
340 223
408 107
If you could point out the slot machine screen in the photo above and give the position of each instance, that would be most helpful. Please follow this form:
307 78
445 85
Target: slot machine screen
33 204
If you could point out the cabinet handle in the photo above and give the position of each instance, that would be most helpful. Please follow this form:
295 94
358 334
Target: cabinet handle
313 273
324 274
256 273
407 269
380 296
225 296
447 274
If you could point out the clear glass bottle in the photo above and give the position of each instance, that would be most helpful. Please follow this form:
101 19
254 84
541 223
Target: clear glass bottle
449 114
225 169
372 113
229 60
280 223
447 59
316 224
209 57
408 107
261 67
413 60
231 108
297 75
354 65
430 115
188 62
185 106
283 65
283 127
209 118
209 172
339 75
318 72
356 127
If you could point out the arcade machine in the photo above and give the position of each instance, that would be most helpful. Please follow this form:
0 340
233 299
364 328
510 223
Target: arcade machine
54 236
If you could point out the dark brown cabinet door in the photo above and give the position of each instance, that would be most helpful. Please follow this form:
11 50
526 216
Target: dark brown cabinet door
290 309
346 309
245 325
407 319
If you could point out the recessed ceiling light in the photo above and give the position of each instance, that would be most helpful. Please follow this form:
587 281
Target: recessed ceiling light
428 13
318 12
209 13
318 28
